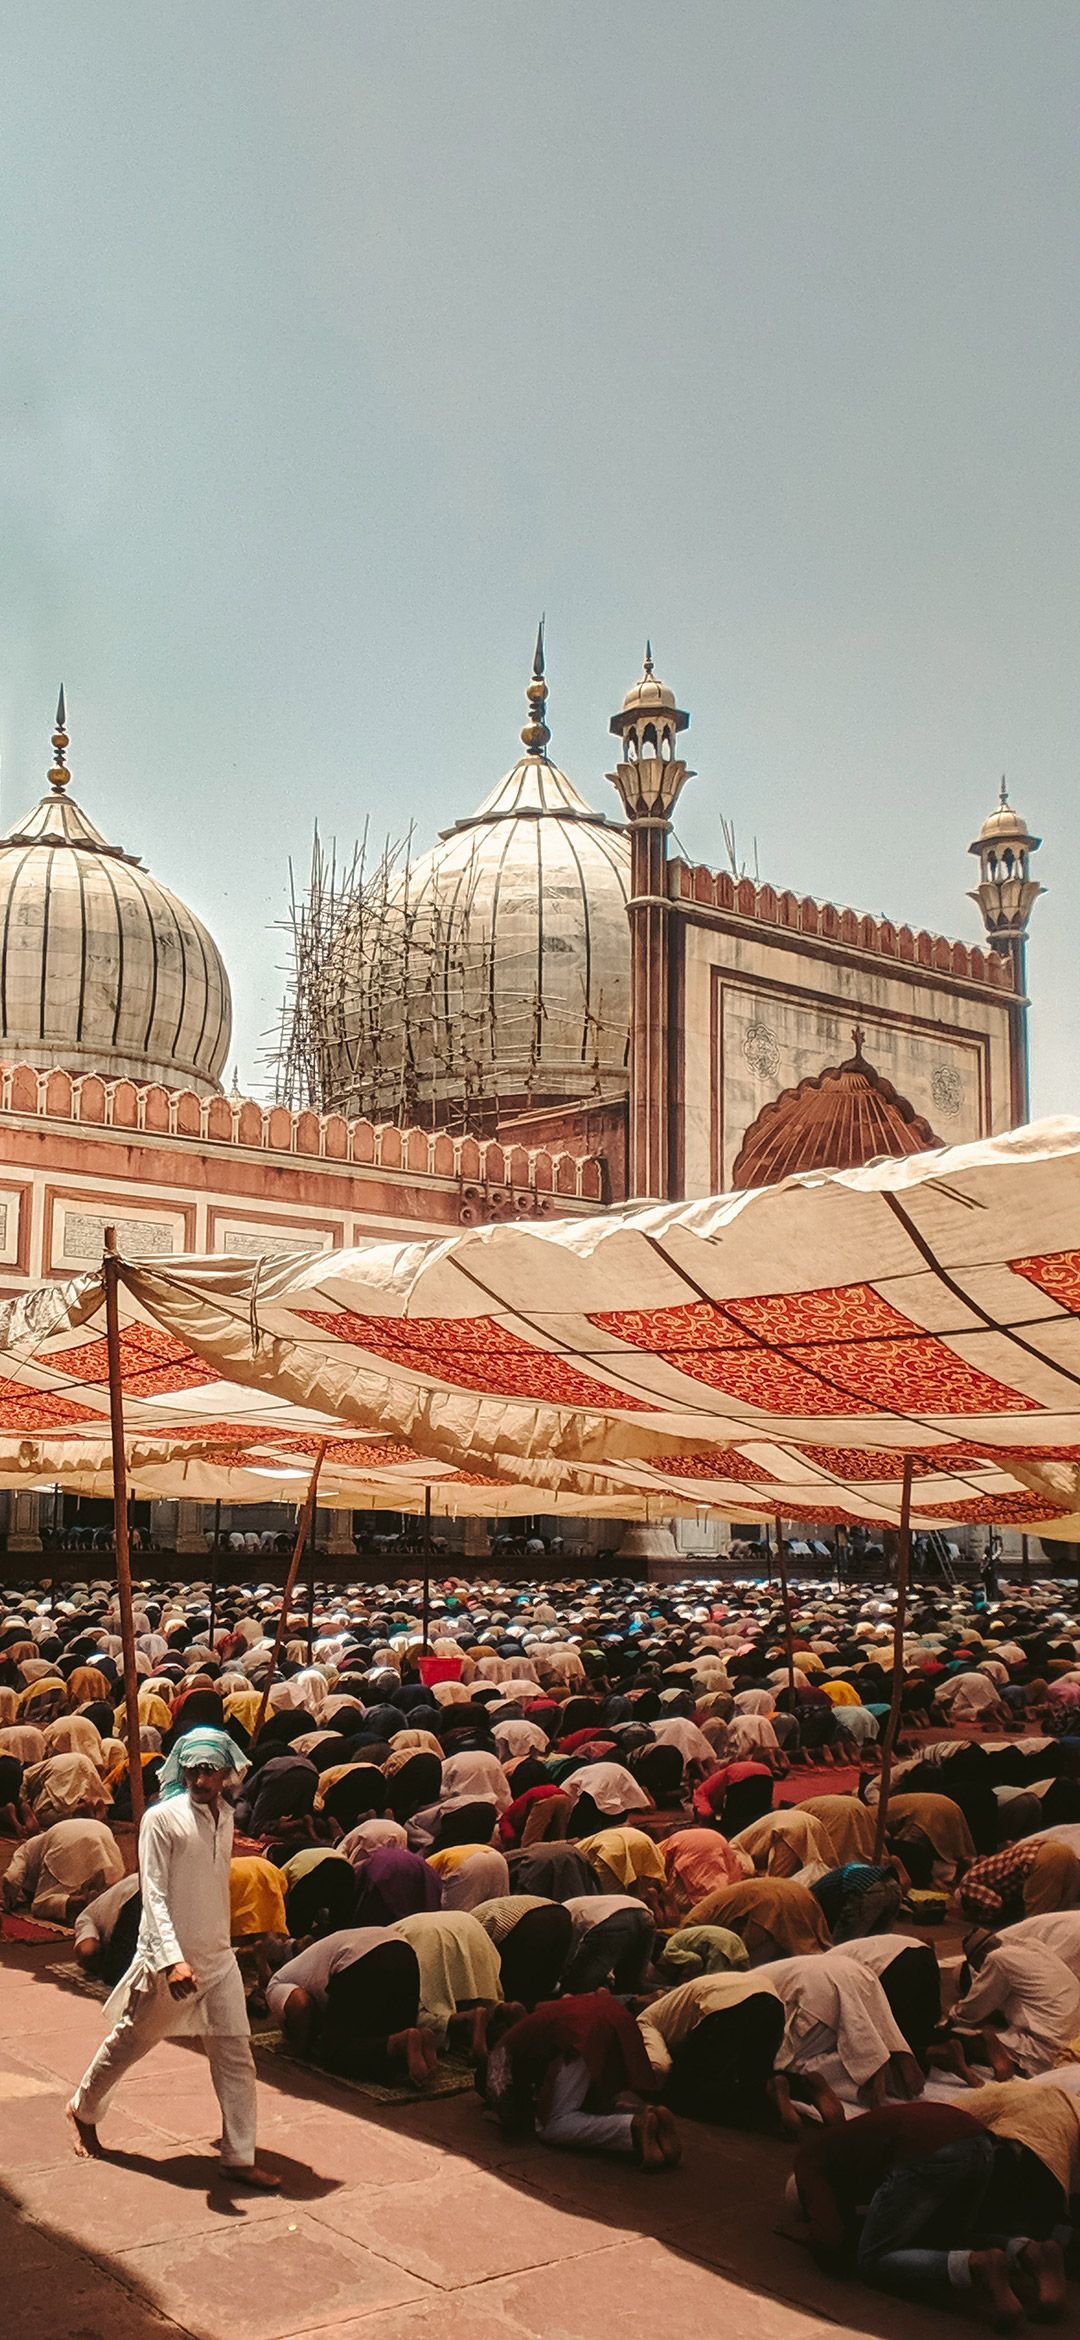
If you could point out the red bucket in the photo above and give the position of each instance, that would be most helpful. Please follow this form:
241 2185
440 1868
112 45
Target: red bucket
434 1669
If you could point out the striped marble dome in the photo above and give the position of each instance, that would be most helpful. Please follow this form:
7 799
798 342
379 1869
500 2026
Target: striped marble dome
495 974
102 969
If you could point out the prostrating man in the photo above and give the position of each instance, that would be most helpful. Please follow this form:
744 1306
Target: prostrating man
1023 2001
351 2001
566 2070
712 2045
56 1873
184 1976
107 1930
923 2196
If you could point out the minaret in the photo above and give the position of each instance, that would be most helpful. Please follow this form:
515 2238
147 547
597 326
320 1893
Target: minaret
1006 895
649 779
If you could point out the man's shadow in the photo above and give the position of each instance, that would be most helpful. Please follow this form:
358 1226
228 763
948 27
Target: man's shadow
198 2173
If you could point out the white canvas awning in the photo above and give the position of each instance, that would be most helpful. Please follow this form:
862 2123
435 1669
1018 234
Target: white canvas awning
775 1353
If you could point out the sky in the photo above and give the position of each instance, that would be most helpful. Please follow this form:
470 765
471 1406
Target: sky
341 339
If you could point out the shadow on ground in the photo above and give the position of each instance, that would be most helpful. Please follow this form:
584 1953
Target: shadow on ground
388 2216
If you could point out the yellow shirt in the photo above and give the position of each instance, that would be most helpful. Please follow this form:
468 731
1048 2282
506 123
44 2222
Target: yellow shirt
669 2020
1046 2118
451 1858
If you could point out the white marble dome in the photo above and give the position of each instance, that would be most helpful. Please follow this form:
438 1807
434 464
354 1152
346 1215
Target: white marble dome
495 974
102 968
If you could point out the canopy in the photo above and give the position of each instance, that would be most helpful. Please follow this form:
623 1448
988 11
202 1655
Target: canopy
773 1353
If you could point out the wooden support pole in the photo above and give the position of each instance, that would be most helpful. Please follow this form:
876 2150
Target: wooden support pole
307 1513
789 1638
111 1279
425 1630
311 1585
903 1566
214 1570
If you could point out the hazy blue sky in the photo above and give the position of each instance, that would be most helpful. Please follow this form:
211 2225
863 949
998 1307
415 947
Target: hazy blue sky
339 339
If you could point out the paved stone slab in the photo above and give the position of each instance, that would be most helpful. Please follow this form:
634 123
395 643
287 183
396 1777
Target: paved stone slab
140 2197
638 2290
466 2315
349 2150
35 2132
463 2227
53 2292
261 2281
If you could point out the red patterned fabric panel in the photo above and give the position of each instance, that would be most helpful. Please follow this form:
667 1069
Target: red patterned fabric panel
359 1454
473 1352
1057 1273
35 1410
713 1462
844 1351
151 1362
996 1510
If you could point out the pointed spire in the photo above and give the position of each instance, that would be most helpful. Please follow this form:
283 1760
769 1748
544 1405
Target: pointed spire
1003 795
859 1036
58 772
535 734
648 658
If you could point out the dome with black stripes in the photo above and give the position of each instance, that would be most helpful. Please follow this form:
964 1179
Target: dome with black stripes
102 968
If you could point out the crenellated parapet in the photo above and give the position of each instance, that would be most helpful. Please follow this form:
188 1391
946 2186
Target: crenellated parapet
764 905
495 1181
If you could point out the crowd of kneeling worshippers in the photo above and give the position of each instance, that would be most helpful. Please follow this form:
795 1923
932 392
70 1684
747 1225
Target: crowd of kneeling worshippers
570 1843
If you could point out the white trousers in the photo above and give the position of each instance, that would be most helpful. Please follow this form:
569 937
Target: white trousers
150 2016
567 2124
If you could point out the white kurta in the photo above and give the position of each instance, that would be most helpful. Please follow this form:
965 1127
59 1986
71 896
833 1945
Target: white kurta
184 1857
1038 1995
184 1854
1057 1930
838 2020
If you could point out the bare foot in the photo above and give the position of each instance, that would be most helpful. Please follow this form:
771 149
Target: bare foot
412 2048
990 2282
826 2100
86 2140
948 2056
646 2136
779 2091
250 2174
1040 2269
670 2140
909 2075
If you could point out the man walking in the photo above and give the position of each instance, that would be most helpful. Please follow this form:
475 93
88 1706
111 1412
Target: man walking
184 1977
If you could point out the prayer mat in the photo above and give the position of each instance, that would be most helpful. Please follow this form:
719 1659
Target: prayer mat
824 1779
451 2078
76 1975
27 1929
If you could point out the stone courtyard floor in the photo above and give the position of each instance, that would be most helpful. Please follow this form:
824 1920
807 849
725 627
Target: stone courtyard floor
418 2222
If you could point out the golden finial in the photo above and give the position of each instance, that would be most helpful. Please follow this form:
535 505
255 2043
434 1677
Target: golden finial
59 774
535 734
648 658
1003 797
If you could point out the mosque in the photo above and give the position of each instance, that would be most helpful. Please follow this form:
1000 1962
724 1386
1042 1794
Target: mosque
549 1012
550 973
